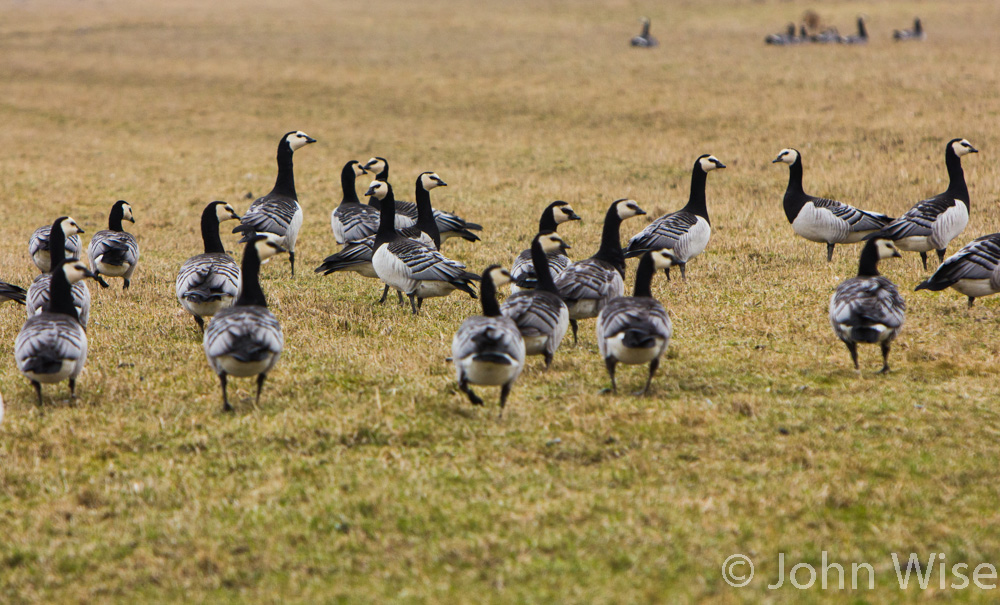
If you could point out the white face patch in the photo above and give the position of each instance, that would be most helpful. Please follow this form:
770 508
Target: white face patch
500 276
297 140
266 248
375 165
787 156
710 163
70 227
127 213
963 147
359 170
886 249
628 209
551 243
75 271
430 181
379 189
563 213
224 212
662 259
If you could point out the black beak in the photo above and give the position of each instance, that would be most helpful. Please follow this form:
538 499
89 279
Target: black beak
371 191
640 211
442 183
237 217
131 220
973 150
81 230
720 165
775 160
574 217
310 140
89 273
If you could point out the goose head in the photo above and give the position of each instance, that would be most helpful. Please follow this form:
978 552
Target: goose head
884 248
125 209
76 270
663 258
563 212
552 242
354 167
962 147
297 140
376 165
498 275
224 212
626 208
69 225
430 180
788 156
709 163
266 245
378 190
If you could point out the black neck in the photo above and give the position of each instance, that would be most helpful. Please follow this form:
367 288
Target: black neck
60 293
868 265
488 296
645 29
957 187
425 214
542 272
115 219
210 230
794 195
57 245
386 218
862 30
250 291
285 183
548 220
347 182
611 247
384 175
696 203
644 277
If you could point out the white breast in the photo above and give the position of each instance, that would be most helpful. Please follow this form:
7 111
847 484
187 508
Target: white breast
820 225
392 271
949 225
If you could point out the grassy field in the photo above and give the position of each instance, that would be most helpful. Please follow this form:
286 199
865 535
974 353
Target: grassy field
364 476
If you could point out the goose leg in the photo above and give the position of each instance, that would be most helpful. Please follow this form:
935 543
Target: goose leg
38 391
941 255
653 365
610 363
885 358
100 280
413 302
853 348
420 303
72 388
225 398
260 387
473 398
200 322
572 324
683 267
504 392
291 260
127 283
385 294
829 252
399 296
548 360
667 273
923 257
972 299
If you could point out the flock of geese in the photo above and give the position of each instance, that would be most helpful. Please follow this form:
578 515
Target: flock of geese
793 36
399 243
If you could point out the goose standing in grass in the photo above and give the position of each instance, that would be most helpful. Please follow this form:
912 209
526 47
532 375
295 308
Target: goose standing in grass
279 212
246 339
411 267
587 285
115 252
540 315
37 299
636 329
685 232
449 225
38 248
916 34
523 270
859 38
488 349
210 281
644 40
352 220
934 222
784 39
974 270
823 220
52 345
11 292
868 308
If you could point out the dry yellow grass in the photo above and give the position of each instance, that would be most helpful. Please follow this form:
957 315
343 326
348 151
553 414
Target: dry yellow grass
364 476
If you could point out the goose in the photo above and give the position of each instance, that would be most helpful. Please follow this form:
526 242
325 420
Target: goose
352 220
488 349
209 282
37 299
974 270
540 315
11 292
823 220
917 33
449 225
932 223
411 267
279 211
523 269
827 36
38 248
685 232
784 39
246 339
52 345
644 40
860 38
114 251
587 285
636 329
868 307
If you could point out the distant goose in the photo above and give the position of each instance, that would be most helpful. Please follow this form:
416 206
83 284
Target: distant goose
37 299
246 339
636 329
411 267
279 211
827 36
352 220
974 270
784 39
917 33
209 282
11 292
523 270
868 308
823 220
859 38
587 285
488 349
52 345
113 251
449 225
644 40
685 232
934 222
38 248
541 316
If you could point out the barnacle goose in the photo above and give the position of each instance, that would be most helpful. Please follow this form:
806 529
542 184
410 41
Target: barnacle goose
488 349
636 329
52 345
859 38
823 220
279 211
38 292
541 316
38 248
685 232
829 35
868 308
11 292
523 269
784 39
449 225
974 270
210 281
934 222
917 33
587 285
644 40
411 267
114 251
246 339
352 220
